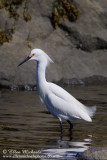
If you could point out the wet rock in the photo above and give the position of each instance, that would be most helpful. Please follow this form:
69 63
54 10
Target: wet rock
98 153
79 49
93 80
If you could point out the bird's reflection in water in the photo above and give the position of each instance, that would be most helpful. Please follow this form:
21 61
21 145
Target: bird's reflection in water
69 135
67 149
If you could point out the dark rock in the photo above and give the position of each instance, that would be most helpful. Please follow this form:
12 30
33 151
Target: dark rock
84 42
98 153
93 80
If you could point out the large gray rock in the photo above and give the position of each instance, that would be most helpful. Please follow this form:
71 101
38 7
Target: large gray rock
94 154
79 49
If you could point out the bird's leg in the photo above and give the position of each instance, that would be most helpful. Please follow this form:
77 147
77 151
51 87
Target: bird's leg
60 121
71 125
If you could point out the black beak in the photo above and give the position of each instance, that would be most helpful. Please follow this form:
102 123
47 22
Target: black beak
24 61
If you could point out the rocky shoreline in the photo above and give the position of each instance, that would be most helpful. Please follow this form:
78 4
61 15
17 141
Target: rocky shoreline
93 80
78 49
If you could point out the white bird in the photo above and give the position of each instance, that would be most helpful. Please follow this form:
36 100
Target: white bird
59 102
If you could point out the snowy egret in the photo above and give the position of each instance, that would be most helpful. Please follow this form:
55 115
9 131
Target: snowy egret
58 101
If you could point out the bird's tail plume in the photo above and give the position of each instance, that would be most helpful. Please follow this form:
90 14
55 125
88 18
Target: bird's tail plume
91 110
49 60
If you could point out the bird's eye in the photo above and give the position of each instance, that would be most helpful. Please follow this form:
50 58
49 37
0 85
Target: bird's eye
33 54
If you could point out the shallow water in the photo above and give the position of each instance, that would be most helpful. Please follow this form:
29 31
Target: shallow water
27 129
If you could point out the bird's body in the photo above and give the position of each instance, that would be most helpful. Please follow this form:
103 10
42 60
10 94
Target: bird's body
58 101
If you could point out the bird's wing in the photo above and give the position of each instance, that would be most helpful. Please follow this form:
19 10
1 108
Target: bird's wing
59 106
63 94
60 92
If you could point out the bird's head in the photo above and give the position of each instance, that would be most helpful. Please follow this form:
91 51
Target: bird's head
37 55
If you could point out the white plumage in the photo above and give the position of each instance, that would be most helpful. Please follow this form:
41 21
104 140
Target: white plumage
58 101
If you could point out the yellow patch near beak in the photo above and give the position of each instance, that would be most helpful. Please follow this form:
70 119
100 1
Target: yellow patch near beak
31 55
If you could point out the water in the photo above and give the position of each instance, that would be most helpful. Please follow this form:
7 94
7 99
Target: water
27 129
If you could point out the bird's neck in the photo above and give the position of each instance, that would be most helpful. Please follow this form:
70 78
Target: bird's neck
40 74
